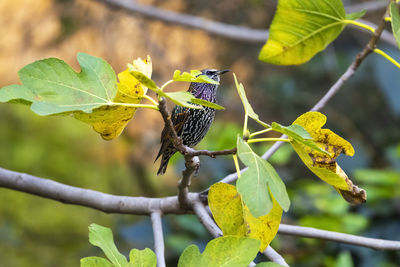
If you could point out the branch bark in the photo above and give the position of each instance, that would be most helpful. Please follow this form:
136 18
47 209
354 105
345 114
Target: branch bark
192 164
158 237
274 256
89 198
205 219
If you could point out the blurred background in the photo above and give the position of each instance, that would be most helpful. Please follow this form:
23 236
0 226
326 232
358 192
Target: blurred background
39 232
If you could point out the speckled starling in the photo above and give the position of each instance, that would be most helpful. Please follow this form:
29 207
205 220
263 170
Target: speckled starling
190 124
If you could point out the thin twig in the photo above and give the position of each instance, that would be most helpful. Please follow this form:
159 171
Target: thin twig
339 237
368 49
274 256
158 237
212 154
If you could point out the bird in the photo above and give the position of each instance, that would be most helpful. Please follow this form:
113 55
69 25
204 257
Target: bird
191 125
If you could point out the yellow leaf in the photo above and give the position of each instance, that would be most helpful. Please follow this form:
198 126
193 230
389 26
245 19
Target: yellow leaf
226 206
325 166
110 121
234 218
265 227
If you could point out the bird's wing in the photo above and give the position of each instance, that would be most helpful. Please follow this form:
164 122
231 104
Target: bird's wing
178 118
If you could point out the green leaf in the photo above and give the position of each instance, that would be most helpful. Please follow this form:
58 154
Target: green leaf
102 237
300 29
356 15
394 13
191 257
344 260
54 87
95 262
146 81
298 133
182 98
206 103
142 258
232 251
247 107
194 76
258 182
186 99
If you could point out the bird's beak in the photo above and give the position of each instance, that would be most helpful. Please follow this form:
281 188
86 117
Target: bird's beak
220 72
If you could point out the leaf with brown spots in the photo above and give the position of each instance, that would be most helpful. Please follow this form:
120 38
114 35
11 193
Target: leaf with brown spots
235 218
324 165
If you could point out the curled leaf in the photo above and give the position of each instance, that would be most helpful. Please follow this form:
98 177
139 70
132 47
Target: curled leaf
247 107
324 165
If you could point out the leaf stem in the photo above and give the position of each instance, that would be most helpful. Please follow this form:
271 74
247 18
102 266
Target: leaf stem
166 84
246 117
256 140
155 107
260 132
392 60
235 160
359 24
151 99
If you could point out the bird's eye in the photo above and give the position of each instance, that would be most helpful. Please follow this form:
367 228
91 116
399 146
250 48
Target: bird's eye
209 72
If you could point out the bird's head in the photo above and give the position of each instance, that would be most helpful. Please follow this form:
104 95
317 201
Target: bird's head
213 73
207 91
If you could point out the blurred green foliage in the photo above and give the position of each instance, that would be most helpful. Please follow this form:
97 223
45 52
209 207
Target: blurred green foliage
71 153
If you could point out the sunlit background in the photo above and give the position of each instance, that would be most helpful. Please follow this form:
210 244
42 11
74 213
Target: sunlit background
40 232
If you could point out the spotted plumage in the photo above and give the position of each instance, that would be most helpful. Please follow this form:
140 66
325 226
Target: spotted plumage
191 124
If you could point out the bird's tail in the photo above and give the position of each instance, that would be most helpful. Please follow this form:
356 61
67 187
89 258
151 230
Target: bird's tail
163 166
164 161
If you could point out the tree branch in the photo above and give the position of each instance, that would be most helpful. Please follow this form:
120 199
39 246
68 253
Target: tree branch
158 237
229 31
145 206
212 154
369 6
205 218
192 164
339 237
217 28
89 198
274 256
